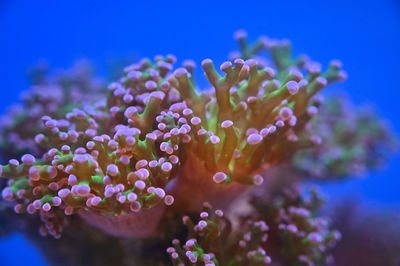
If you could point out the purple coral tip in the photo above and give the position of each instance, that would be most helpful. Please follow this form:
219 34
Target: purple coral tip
240 34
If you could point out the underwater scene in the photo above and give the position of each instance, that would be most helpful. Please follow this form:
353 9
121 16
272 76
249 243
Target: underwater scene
200 133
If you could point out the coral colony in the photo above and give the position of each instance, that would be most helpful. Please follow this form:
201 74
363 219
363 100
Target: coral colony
155 146
354 140
52 95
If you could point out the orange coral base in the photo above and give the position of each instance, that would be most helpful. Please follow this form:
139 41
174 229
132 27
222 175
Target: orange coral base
129 225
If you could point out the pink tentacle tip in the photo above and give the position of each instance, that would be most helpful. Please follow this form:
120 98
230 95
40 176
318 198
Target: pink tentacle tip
225 66
180 72
112 169
28 159
140 185
80 190
220 177
7 194
293 87
254 139
166 167
195 120
240 34
169 200
226 124
258 180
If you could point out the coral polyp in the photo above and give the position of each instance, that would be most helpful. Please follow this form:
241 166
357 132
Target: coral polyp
156 138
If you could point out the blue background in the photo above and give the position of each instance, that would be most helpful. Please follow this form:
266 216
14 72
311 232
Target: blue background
365 35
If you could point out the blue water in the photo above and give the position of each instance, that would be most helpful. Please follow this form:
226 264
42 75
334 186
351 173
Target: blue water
365 35
16 250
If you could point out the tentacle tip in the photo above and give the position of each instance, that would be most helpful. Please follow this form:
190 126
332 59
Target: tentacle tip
220 177
206 62
240 34
180 72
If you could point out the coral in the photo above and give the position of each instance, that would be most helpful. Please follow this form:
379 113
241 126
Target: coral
112 159
52 94
153 146
240 140
210 242
285 225
298 236
354 140
86 169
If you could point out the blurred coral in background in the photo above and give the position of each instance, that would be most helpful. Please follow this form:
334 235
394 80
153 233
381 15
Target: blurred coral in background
370 237
52 94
